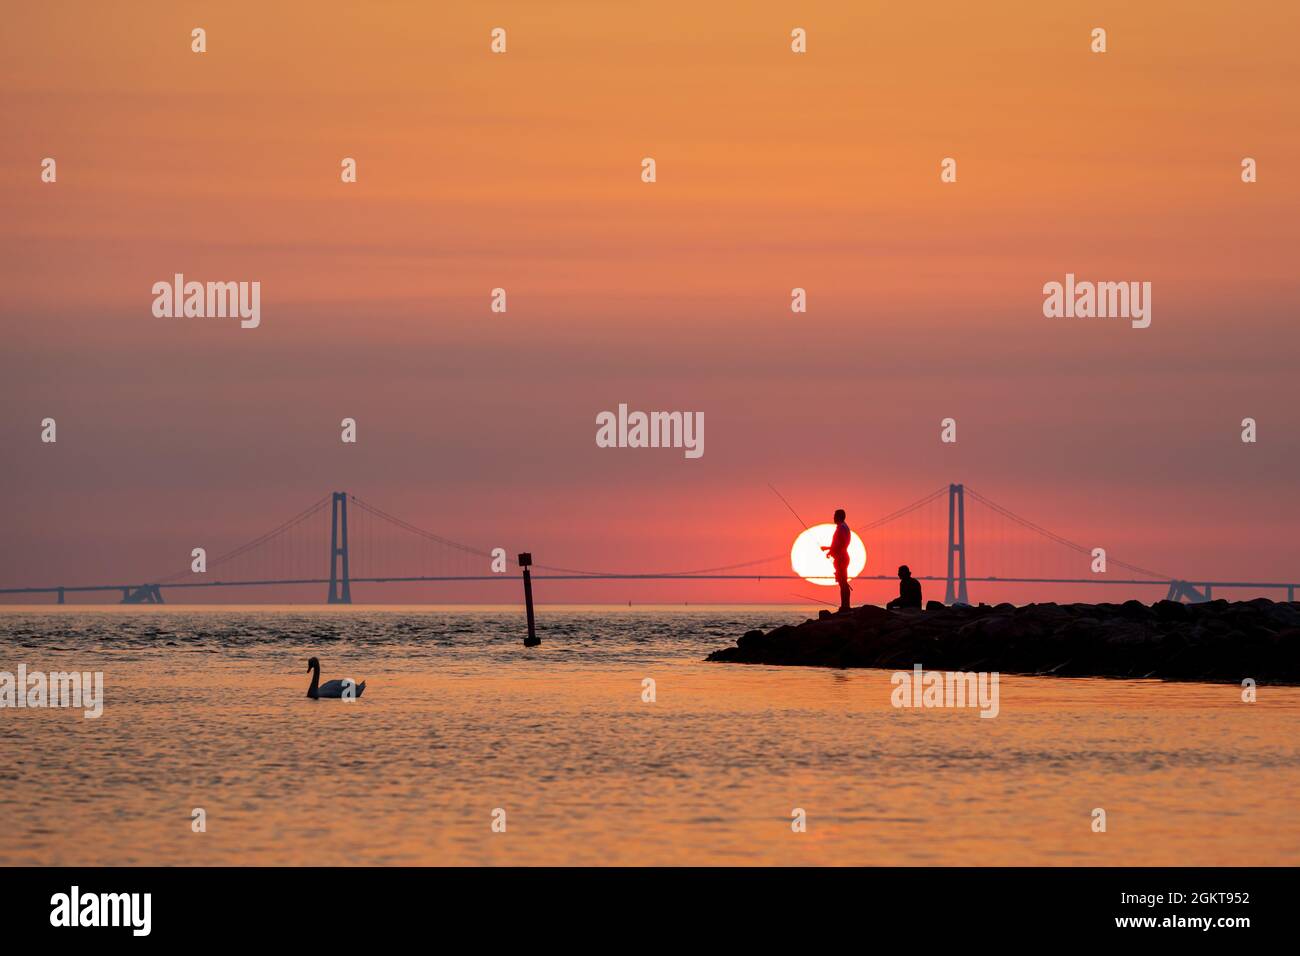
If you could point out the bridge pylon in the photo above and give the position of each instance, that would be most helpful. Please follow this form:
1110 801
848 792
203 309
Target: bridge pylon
956 593
340 583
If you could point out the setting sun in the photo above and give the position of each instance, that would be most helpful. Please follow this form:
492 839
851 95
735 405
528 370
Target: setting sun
809 561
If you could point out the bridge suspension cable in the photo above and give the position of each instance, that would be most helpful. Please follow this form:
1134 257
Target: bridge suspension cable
905 510
407 526
257 542
871 525
1052 536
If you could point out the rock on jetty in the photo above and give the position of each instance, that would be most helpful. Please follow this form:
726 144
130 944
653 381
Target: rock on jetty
1213 641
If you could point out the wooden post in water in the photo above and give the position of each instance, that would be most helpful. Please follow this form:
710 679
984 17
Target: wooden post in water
532 640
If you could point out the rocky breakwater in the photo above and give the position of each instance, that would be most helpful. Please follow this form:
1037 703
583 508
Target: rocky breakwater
1214 641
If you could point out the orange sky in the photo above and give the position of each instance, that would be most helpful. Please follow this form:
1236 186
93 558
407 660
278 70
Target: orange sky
775 170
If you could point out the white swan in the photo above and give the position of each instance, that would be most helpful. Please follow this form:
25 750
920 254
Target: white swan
333 688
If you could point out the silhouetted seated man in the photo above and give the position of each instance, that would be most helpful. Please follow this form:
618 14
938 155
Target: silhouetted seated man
909 589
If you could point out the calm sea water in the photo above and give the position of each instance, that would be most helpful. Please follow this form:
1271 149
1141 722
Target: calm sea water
206 708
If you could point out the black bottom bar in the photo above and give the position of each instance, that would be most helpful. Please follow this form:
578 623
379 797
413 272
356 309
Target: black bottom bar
359 909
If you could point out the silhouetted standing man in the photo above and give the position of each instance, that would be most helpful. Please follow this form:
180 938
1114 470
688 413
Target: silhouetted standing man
909 589
839 553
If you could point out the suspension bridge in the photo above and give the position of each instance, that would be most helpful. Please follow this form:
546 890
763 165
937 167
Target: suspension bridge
362 544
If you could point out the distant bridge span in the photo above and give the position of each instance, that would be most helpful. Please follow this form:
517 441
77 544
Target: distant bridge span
342 547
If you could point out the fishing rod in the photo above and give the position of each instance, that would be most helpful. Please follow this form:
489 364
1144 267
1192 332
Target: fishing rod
816 600
788 505
795 513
